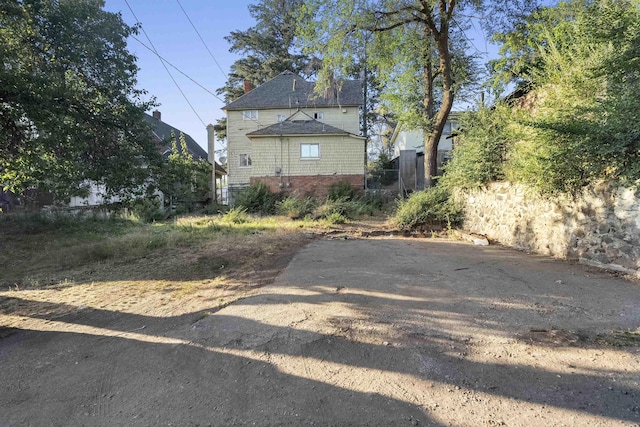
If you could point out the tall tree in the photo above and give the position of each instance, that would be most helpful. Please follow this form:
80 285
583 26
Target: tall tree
268 48
581 62
69 109
418 50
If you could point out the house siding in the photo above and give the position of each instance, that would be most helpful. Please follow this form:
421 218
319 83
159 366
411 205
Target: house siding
238 143
341 155
345 156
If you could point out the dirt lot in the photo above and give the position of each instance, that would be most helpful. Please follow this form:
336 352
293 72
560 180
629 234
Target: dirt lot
354 331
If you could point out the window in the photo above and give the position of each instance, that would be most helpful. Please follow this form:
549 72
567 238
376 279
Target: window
250 115
309 151
281 117
449 128
318 115
244 160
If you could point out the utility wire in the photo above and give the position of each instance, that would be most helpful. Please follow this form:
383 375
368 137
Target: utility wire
201 39
164 65
177 69
468 39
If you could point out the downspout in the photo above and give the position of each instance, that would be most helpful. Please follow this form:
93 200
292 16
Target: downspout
288 162
281 163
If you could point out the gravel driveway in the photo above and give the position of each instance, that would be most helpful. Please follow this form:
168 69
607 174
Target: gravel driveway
371 332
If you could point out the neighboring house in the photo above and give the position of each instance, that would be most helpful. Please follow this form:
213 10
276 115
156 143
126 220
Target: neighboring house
409 151
285 135
161 134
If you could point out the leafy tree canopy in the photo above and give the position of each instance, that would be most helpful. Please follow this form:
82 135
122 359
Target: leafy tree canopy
69 110
578 122
268 48
184 180
416 47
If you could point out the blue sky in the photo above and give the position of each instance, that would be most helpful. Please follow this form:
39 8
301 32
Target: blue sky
177 42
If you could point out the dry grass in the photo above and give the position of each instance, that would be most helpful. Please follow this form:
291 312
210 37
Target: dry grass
55 267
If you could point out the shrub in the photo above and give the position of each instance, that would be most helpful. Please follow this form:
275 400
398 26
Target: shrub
370 203
341 191
381 170
480 153
336 218
257 199
346 208
295 208
236 215
147 210
429 207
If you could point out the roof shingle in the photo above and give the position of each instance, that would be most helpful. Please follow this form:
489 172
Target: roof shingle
163 131
298 127
282 92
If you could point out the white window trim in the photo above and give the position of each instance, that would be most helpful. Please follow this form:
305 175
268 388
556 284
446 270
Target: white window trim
250 161
309 157
318 115
250 115
280 118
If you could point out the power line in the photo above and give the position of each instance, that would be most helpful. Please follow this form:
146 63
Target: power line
201 39
468 39
164 65
177 69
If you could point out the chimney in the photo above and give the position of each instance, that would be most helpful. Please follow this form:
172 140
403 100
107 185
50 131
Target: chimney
157 115
248 86
211 143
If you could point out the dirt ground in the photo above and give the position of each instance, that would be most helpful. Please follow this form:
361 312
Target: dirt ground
348 330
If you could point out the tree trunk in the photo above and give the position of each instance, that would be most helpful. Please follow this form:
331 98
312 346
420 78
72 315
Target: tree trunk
431 141
428 104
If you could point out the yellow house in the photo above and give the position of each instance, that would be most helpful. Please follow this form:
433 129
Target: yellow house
285 135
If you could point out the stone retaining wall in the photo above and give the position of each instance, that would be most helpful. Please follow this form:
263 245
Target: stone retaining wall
601 227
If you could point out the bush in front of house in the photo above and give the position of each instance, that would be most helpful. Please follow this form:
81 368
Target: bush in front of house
236 215
341 190
257 199
433 207
296 208
147 209
347 209
371 203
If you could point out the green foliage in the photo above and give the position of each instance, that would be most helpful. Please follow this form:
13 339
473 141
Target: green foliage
380 170
236 215
267 49
418 49
336 218
341 191
257 199
80 227
184 180
69 109
296 208
481 149
432 207
337 208
371 203
345 207
147 209
579 123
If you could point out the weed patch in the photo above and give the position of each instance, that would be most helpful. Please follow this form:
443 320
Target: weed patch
433 207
